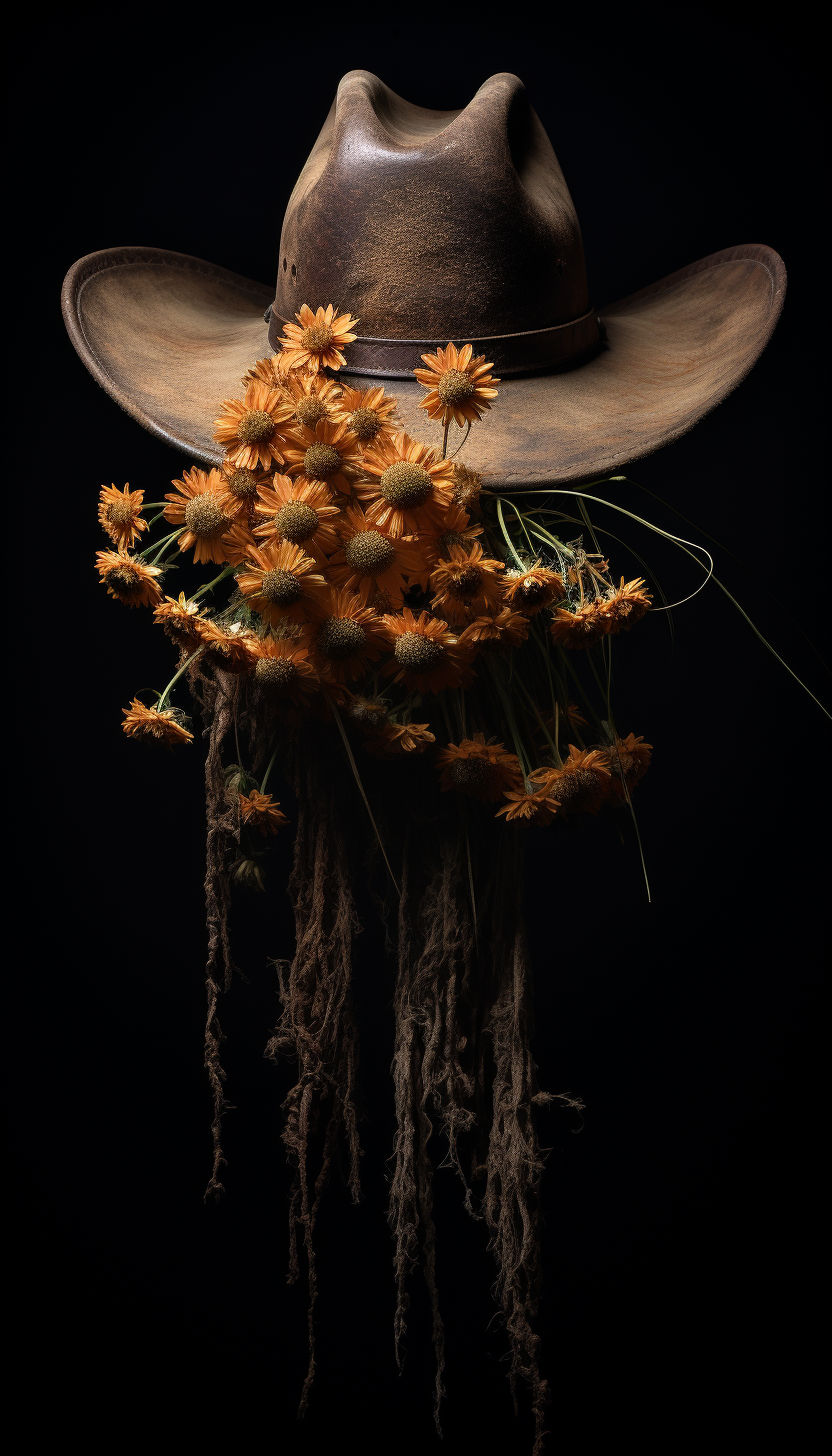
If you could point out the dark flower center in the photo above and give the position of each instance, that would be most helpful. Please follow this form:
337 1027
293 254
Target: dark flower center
280 588
576 790
124 579
405 484
469 775
309 410
418 653
321 461
369 553
242 484
365 423
256 428
340 638
465 581
204 517
296 522
120 513
277 673
455 387
317 337
532 590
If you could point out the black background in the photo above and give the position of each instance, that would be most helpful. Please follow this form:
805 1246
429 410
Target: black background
679 1273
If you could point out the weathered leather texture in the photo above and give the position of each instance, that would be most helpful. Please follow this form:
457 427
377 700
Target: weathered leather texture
169 337
430 227
434 224
511 354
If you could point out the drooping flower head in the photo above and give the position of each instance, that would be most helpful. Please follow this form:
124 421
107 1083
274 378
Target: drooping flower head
280 580
532 590
163 725
120 514
467 487
467 584
536 806
582 785
252 430
128 579
426 656
629 760
317 339
459 387
302 512
181 620
409 486
327 453
283 667
495 633
200 505
230 648
626 605
261 811
479 768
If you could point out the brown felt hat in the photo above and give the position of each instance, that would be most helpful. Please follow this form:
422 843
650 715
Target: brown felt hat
432 226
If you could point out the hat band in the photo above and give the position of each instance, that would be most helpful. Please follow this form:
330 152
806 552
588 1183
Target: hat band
564 344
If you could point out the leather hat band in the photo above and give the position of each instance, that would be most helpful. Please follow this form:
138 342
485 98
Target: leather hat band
525 353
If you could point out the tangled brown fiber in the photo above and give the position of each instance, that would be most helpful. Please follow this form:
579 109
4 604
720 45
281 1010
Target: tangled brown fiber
463 1061
317 1028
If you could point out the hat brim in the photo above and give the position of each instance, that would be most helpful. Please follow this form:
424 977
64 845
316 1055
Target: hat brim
170 337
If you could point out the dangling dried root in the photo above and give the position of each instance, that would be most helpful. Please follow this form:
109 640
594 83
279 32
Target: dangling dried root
317 1028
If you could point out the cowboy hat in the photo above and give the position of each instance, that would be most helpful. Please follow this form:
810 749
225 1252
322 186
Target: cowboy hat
430 227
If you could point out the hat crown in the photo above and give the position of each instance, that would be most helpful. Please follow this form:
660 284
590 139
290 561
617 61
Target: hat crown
433 225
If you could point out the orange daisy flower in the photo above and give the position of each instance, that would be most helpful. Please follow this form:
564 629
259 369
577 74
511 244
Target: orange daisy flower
426 656
280 580
165 725
181 620
368 413
483 770
411 486
506 629
535 805
626 606
239 495
313 398
347 636
459 387
370 560
368 714
252 430
230 648
532 590
283 667
299 511
401 738
261 811
582 785
467 584
454 529
467 487
200 507
629 760
120 513
328 453
128 579
316 340
579 628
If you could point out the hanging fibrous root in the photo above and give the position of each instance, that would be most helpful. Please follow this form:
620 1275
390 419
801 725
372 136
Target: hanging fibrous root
317 1028
216 698
433 1011
515 1160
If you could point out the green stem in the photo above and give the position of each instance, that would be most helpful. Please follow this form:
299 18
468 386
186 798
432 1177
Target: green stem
354 767
177 675
268 770
226 571
161 545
